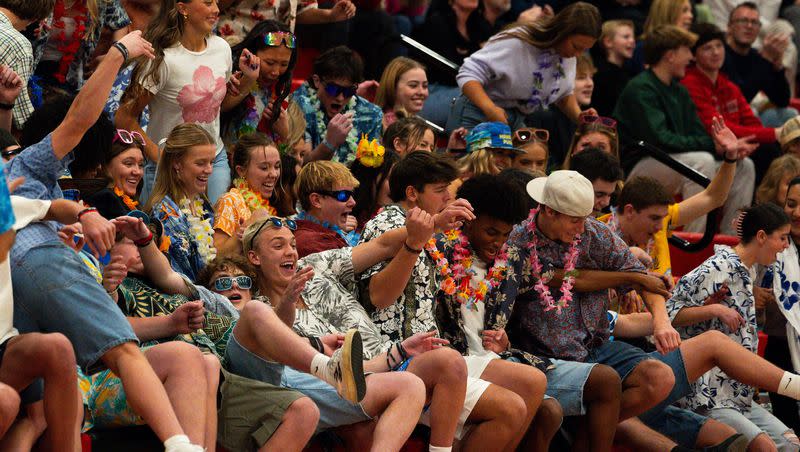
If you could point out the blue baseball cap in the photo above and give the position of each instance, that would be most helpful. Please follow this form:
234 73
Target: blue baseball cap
490 135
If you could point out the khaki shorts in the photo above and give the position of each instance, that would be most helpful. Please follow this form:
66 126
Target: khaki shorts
250 411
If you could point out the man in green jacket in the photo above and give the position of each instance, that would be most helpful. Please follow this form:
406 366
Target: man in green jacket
656 108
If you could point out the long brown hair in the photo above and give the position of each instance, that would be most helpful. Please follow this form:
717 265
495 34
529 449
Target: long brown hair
386 96
579 18
180 141
243 152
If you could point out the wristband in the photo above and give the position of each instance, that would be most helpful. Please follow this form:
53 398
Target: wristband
411 250
122 49
727 160
317 344
141 243
4 106
85 211
328 145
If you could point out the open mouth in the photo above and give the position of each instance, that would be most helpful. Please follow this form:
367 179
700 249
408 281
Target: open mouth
335 107
235 297
287 267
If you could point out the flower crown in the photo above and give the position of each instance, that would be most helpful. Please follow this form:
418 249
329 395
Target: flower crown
370 153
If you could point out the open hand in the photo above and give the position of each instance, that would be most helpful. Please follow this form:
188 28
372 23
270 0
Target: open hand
297 284
423 342
131 227
338 128
495 340
137 46
100 234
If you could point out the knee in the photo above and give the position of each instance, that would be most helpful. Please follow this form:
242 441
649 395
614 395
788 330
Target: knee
57 352
512 410
762 443
212 367
603 385
411 386
714 339
9 404
303 414
657 377
550 415
450 365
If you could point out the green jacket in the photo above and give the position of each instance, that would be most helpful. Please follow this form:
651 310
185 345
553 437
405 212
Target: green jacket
661 115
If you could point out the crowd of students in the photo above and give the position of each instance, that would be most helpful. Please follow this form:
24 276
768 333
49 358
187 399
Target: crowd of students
192 243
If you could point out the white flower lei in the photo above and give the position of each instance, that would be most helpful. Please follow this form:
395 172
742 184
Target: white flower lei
322 127
200 229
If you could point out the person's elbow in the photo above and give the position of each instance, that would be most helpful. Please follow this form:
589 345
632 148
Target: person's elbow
379 297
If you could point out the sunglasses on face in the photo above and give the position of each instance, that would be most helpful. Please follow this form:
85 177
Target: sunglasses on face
525 135
333 90
226 283
339 195
128 137
278 38
275 222
11 153
591 119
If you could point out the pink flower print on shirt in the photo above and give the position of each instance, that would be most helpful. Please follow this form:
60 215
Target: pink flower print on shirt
200 101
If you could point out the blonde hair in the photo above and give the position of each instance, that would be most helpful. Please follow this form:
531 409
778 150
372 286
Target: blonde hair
475 163
778 169
179 142
297 125
584 65
592 127
321 175
662 12
386 95
610 28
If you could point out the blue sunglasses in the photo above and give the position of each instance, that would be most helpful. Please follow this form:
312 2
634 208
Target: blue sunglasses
339 195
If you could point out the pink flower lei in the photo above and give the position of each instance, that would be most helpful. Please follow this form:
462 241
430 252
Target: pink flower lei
570 258
457 278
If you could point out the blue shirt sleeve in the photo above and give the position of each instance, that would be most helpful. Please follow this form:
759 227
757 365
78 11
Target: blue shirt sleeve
6 212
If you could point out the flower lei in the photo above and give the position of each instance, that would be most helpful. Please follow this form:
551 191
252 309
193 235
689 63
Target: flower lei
129 203
457 278
200 228
613 225
322 126
570 258
253 199
70 49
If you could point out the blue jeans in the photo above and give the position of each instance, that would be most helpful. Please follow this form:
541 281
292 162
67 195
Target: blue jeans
437 105
621 356
218 183
55 293
776 117
565 383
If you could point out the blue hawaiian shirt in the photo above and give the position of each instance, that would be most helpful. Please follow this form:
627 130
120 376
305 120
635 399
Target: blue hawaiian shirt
368 120
6 212
183 251
715 389
581 326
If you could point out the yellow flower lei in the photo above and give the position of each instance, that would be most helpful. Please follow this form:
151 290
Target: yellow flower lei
253 199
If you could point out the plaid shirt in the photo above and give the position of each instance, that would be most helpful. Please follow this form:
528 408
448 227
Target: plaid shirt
40 168
16 52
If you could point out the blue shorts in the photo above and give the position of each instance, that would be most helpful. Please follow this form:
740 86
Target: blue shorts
565 383
55 293
620 356
241 361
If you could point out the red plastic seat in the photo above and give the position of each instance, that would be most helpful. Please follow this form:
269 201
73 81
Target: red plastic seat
683 262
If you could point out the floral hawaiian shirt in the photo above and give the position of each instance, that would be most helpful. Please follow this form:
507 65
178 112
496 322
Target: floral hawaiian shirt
413 311
579 327
183 248
715 389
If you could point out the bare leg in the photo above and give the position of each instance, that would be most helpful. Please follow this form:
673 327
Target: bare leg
713 432
24 433
145 393
212 367
649 383
601 396
497 419
444 373
527 382
9 407
49 356
398 398
357 436
762 443
641 438
297 427
545 425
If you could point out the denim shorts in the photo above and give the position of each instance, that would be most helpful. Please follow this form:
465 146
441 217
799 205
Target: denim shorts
241 361
565 383
54 292
621 356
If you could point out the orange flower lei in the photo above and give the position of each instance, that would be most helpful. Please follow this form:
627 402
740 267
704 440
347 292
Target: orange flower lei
253 199
129 203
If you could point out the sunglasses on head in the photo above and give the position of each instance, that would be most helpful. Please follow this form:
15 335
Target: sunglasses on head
128 137
525 135
278 38
606 121
339 195
276 222
226 283
333 90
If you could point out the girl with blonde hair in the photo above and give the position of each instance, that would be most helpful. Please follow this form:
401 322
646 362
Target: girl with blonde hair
776 180
403 88
662 12
179 198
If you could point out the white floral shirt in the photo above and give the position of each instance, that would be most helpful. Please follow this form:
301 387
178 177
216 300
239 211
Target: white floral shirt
715 389
413 311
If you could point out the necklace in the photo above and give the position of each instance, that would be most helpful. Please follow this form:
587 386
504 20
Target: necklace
200 228
352 137
129 203
570 258
253 199
69 47
457 273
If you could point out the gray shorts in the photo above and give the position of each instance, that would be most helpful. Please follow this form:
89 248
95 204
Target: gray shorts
755 422
565 383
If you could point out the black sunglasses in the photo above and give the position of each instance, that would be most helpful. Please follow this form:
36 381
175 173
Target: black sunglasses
333 90
276 222
11 153
339 195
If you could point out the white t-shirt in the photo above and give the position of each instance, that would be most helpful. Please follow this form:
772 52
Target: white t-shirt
473 318
25 211
191 88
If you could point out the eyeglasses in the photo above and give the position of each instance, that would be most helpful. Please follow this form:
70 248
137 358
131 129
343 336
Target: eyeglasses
275 222
752 22
11 153
525 135
606 121
277 38
333 90
226 283
128 137
339 195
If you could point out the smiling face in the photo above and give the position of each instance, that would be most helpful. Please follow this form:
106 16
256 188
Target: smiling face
534 158
593 140
200 15
126 170
332 105
487 235
274 255
744 26
574 45
677 61
642 225
622 44
772 244
685 17
274 63
792 209
584 86
502 158
194 169
238 296
710 56
412 90
560 227
263 170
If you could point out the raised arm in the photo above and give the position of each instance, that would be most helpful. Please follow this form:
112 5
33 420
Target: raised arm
10 87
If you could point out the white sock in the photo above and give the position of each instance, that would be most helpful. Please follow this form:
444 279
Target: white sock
433 448
319 368
175 442
790 385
